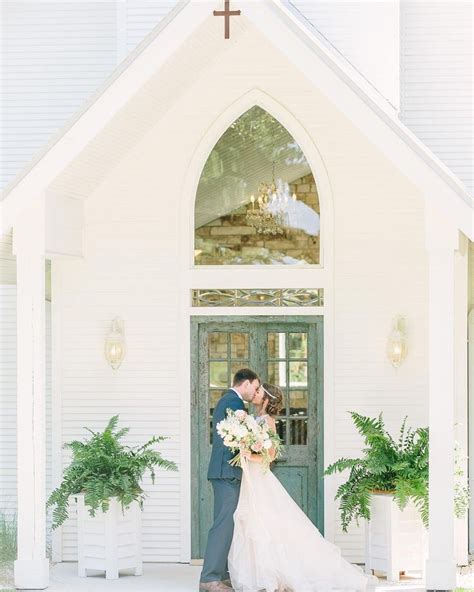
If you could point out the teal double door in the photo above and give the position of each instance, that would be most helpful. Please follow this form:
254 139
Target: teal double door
286 351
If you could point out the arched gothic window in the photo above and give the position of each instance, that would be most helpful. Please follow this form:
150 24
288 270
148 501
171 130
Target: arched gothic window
257 201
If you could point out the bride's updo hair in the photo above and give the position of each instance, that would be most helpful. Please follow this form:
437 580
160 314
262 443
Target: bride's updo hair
275 402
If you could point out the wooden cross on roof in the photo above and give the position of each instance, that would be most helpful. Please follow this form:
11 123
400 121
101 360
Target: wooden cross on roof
227 13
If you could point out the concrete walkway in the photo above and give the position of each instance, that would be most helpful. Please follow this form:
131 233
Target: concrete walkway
164 577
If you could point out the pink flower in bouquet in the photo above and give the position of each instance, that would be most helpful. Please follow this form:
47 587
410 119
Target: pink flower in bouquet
241 431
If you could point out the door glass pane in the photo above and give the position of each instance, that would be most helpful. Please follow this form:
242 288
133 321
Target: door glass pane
298 431
299 402
239 345
298 374
283 409
298 345
237 366
214 398
276 345
218 374
217 345
281 429
277 373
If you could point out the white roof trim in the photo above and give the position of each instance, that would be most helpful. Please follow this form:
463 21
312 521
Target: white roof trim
119 70
436 180
370 95
336 56
438 183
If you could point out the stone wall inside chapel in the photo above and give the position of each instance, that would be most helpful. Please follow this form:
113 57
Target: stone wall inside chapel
232 231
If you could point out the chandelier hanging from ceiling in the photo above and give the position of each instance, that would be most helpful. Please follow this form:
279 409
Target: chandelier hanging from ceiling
268 212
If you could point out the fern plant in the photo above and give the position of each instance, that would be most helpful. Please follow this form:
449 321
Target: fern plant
397 467
387 466
103 467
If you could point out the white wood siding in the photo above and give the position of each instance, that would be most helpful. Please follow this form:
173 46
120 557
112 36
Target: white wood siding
437 91
471 390
8 398
49 421
56 55
130 269
7 261
140 286
131 264
7 376
365 33
141 16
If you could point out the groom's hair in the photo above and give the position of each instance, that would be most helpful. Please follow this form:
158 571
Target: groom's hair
244 374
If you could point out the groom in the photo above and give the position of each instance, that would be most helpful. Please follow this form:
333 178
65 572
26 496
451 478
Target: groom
225 480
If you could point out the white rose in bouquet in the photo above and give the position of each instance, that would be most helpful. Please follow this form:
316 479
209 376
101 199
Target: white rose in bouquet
241 431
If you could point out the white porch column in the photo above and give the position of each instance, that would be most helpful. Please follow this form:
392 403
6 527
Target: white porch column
31 567
442 241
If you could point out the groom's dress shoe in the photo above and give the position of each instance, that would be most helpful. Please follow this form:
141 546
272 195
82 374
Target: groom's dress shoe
215 587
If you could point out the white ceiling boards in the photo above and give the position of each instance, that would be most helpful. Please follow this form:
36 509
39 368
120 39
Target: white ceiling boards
242 159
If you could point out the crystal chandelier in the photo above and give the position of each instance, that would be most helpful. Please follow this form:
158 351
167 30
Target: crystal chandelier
267 214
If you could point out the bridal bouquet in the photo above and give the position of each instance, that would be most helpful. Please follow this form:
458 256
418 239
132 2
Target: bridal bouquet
241 431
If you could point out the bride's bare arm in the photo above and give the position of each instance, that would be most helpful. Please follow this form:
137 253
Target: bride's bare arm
272 423
255 458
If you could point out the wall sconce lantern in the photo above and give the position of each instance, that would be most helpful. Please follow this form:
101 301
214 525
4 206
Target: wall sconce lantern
397 342
115 344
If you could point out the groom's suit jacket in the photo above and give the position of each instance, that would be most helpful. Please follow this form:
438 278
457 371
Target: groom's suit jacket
219 467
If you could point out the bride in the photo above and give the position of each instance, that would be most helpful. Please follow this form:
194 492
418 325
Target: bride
276 547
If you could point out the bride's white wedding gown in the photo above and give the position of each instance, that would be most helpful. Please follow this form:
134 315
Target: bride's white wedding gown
276 547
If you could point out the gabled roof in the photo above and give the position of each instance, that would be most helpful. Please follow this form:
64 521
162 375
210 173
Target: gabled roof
275 19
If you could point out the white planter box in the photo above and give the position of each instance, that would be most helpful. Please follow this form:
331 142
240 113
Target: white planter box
395 540
109 541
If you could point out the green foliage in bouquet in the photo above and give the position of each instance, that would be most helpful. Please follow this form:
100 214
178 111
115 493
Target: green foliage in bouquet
397 467
102 468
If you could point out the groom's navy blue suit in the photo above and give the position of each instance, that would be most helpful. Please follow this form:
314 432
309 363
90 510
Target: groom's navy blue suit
225 480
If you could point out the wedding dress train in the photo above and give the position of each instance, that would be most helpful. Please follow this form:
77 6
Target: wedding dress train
276 547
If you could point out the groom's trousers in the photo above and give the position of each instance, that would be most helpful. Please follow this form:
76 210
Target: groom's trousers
226 497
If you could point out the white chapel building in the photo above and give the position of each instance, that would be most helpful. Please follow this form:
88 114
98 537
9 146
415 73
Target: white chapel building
135 138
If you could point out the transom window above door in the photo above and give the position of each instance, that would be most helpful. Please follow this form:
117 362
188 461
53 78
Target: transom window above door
257 201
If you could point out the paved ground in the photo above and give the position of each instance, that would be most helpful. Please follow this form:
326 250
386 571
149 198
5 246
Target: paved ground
165 577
